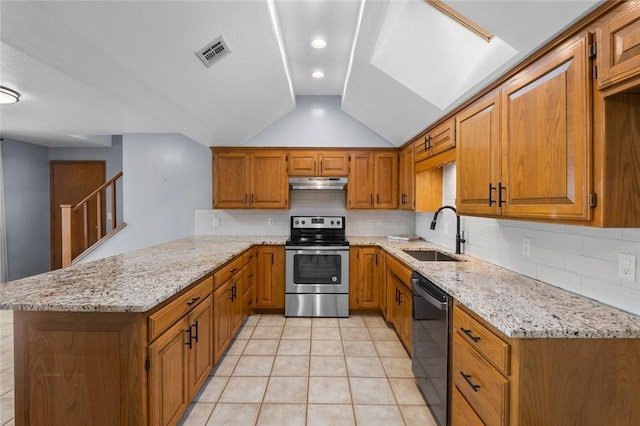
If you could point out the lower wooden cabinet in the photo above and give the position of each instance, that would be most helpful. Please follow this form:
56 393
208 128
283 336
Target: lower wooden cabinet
399 303
227 314
461 412
365 278
270 283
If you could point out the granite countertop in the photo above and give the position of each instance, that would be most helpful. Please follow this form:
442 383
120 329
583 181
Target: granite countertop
519 306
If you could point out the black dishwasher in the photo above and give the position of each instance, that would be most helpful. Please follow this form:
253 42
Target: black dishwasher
431 338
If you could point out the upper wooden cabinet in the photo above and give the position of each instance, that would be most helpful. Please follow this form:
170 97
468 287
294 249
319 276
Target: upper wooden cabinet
619 48
524 151
406 182
478 157
435 141
546 137
322 163
373 180
250 179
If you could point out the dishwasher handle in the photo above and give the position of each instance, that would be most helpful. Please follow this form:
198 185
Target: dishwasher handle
428 297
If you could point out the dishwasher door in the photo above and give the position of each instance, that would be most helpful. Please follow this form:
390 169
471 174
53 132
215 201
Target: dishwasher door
432 345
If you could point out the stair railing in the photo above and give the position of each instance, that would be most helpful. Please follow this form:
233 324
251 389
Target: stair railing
103 232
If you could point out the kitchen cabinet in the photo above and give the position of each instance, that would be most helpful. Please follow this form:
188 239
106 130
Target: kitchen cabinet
618 43
181 356
406 182
319 163
478 160
250 179
270 284
227 304
435 141
399 303
541 168
502 380
373 180
249 279
365 270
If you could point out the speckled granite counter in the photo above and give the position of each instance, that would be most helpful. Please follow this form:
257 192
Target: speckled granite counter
518 306
130 282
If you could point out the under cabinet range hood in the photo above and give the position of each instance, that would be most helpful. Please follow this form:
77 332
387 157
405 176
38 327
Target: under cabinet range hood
318 183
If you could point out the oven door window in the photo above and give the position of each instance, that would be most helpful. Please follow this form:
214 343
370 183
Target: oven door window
317 269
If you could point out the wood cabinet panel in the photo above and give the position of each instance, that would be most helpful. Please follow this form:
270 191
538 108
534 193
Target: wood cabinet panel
269 183
200 321
270 285
482 385
366 276
386 180
373 180
406 181
318 163
303 163
462 413
168 393
334 163
222 317
619 43
360 189
399 303
478 160
546 137
435 141
230 180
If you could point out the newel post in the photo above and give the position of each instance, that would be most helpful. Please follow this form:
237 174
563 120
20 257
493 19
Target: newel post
66 234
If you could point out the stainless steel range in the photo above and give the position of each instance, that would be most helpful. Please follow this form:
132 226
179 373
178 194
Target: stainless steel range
317 268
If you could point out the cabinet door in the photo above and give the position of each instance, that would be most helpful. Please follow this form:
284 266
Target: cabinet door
442 138
478 159
222 311
369 278
405 316
334 163
546 136
230 180
461 412
236 304
386 180
201 352
619 43
269 181
303 163
270 282
407 179
168 394
360 190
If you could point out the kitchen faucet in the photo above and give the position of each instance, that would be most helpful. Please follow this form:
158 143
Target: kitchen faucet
459 237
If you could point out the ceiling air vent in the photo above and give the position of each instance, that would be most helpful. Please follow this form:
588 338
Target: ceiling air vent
213 52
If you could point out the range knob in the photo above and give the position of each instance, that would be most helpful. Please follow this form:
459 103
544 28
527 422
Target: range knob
303 222
332 222
338 223
297 222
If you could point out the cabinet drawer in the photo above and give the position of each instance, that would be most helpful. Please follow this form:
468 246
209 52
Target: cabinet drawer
165 317
494 349
248 256
399 270
229 270
486 390
461 412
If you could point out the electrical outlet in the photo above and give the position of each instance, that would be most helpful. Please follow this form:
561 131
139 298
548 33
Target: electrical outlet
271 221
526 246
627 267
215 221
109 216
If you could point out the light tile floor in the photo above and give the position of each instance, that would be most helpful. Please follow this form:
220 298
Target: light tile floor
291 371
320 371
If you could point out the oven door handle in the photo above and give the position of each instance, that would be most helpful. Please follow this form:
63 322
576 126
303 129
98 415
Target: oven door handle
429 298
317 250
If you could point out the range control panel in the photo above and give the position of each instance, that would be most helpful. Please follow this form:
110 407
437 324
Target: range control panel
317 222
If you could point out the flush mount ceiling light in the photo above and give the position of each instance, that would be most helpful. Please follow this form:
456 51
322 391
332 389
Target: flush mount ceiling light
317 74
8 96
318 43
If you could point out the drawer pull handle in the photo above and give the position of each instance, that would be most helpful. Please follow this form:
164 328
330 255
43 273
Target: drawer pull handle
233 271
468 333
467 378
193 300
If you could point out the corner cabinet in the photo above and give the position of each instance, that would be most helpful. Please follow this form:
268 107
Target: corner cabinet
373 180
250 179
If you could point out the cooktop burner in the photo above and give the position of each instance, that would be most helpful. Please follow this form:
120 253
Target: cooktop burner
317 231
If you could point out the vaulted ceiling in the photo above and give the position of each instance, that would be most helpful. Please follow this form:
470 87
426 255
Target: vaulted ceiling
89 69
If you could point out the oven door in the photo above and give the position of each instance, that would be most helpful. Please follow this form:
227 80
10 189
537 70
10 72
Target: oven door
317 270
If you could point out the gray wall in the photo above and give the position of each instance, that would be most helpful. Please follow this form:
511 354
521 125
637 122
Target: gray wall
26 192
167 177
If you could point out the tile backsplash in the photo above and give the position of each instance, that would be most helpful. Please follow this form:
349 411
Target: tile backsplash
322 203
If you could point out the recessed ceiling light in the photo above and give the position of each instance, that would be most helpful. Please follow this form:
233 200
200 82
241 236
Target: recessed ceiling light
318 43
8 96
317 74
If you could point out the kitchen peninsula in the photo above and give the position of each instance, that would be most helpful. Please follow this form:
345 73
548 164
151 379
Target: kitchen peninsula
84 335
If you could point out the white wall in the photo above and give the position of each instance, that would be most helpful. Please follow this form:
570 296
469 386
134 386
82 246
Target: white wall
256 222
166 178
580 259
318 121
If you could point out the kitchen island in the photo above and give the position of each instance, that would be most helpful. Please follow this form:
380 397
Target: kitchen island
82 333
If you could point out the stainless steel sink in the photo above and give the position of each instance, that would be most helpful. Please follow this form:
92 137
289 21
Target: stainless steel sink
430 256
